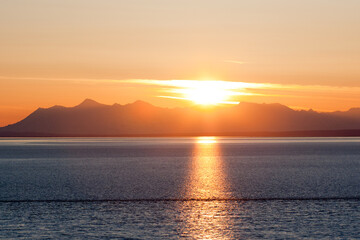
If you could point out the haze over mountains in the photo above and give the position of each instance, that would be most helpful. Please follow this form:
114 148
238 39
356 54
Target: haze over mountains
91 118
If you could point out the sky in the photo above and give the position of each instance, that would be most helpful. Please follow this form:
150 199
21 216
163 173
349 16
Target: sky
301 53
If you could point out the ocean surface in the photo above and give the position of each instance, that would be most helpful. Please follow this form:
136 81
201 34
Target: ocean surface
171 188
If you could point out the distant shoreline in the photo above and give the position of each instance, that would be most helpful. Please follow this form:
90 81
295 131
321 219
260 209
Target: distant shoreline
314 133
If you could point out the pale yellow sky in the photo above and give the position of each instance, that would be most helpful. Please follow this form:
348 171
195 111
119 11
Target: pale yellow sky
60 52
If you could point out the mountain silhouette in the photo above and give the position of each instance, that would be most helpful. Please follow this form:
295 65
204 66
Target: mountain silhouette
140 118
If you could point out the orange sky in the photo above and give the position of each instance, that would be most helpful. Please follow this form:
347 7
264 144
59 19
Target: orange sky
307 53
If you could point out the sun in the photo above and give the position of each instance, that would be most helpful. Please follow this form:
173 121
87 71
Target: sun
206 92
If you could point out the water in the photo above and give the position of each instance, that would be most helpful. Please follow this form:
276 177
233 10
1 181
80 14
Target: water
170 188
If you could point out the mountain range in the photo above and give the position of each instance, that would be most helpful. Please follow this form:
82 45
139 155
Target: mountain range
91 118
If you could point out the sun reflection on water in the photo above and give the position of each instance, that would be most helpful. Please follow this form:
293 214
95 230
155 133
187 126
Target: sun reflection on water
206 140
206 177
206 216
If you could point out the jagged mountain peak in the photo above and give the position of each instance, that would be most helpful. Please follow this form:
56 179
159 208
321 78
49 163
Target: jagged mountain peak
264 105
141 103
89 103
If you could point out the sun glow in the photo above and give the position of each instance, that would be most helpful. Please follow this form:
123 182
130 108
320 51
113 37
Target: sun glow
203 92
206 92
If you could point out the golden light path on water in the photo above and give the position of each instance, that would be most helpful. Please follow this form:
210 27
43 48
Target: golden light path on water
206 219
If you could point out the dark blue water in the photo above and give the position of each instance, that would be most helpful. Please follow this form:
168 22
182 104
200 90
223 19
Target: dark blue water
167 188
